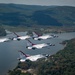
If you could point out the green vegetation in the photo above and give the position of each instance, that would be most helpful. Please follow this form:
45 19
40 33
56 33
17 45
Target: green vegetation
31 15
62 63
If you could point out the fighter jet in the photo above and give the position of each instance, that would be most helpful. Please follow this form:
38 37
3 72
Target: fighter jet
33 46
20 37
42 37
24 57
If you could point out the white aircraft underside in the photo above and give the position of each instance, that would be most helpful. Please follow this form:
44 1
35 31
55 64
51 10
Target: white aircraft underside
4 39
38 46
35 57
32 58
24 37
43 37
22 60
21 37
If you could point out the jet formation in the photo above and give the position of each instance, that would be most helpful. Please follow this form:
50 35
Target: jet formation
30 45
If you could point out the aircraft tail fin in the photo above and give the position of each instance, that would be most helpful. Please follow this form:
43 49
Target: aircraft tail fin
29 43
36 34
22 54
16 34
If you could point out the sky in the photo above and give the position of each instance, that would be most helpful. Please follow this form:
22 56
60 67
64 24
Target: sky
41 2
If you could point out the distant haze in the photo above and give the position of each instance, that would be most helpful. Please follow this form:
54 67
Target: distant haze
42 2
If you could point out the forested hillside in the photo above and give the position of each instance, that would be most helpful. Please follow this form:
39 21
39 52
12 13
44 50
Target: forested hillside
29 15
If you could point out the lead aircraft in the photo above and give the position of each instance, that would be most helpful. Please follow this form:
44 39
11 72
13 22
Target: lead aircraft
21 37
33 46
24 57
42 37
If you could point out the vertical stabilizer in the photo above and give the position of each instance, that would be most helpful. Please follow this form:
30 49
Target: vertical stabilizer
22 54
16 34
29 43
35 34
